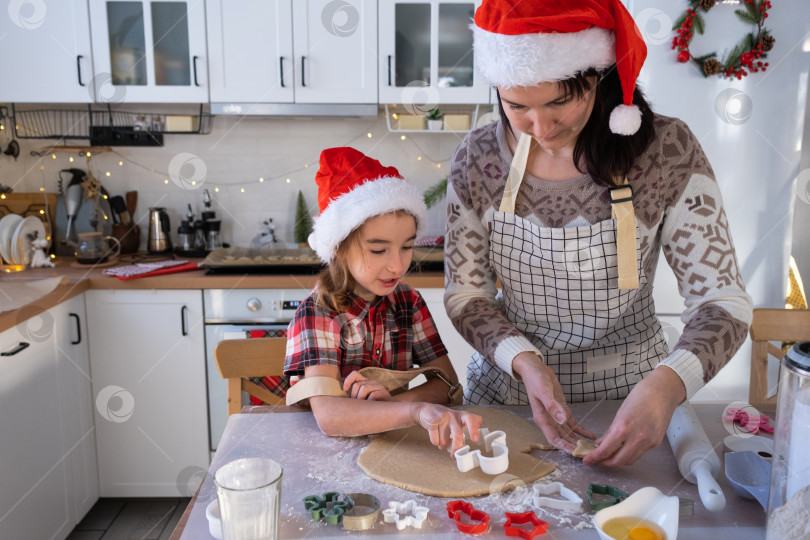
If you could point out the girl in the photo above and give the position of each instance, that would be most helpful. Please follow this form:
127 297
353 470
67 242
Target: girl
360 315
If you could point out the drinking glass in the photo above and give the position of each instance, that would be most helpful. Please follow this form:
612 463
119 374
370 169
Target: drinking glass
249 493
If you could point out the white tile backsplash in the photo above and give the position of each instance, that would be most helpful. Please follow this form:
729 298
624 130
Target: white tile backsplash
235 155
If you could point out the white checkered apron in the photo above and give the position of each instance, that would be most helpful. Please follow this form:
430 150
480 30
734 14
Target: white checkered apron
560 290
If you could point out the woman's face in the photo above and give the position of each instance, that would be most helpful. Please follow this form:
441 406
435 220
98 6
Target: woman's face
544 112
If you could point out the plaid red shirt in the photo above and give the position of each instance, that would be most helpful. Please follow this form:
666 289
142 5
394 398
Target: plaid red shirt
393 332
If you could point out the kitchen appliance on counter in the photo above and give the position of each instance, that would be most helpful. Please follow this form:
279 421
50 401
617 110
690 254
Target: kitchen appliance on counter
76 215
160 227
239 314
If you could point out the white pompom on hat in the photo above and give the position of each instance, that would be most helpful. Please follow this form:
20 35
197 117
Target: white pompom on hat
353 188
527 43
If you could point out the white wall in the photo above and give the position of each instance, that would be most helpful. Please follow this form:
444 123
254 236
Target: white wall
755 153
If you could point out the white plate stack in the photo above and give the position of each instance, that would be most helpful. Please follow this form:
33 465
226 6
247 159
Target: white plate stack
16 235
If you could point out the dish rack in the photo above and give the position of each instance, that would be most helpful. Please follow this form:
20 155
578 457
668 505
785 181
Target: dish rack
106 127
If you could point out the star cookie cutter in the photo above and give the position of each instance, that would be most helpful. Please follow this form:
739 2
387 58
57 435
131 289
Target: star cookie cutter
613 496
509 527
327 507
570 502
405 514
494 442
456 508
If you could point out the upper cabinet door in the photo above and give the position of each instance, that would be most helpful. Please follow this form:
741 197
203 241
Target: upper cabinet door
149 51
251 51
426 53
335 51
46 55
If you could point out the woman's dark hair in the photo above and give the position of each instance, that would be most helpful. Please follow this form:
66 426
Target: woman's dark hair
606 155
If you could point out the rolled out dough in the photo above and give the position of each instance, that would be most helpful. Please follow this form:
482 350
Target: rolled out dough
405 458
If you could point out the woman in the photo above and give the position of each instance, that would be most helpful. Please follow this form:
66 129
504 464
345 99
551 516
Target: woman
568 200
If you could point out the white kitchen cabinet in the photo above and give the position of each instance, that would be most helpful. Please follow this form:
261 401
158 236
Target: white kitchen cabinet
76 405
285 51
148 364
46 52
426 53
33 498
149 51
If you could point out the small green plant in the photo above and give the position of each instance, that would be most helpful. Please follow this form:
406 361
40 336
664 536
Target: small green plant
434 114
303 221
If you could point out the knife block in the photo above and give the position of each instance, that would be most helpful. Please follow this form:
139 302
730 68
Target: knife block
129 236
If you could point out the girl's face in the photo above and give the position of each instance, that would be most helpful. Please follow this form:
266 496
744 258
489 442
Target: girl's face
382 253
544 112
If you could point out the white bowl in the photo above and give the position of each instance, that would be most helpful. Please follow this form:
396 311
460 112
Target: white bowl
648 503
214 519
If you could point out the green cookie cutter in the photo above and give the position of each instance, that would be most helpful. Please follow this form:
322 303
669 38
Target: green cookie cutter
613 496
327 507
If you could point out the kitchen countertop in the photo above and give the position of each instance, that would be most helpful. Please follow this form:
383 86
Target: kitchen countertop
84 278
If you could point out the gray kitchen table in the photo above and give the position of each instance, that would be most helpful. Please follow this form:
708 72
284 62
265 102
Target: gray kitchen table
314 463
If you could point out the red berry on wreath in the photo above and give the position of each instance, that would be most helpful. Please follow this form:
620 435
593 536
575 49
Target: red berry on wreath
746 59
683 57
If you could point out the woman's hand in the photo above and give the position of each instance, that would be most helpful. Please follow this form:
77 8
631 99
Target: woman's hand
642 420
445 425
549 410
360 387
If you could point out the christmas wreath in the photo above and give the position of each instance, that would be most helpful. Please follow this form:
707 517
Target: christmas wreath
746 56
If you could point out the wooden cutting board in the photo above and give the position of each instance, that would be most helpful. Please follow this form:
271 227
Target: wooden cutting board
41 205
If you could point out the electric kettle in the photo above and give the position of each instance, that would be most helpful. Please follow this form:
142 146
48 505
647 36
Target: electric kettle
159 227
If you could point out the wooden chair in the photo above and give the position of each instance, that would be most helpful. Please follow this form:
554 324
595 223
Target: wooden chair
772 325
240 358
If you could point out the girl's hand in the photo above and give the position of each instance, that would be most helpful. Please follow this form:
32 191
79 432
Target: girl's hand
445 425
360 387
549 410
642 420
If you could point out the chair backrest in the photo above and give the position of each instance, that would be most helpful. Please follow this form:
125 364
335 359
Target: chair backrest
240 358
768 325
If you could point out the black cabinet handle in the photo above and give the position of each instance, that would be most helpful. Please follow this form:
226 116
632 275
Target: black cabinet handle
281 70
183 320
78 329
79 69
389 70
303 81
194 62
22 346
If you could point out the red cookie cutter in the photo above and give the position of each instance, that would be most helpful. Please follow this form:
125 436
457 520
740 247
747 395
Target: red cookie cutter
456 508
540 526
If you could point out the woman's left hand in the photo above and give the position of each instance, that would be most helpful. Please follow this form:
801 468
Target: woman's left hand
360 387
642 420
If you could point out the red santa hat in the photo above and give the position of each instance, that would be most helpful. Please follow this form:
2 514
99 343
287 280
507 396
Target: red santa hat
528 42
353 188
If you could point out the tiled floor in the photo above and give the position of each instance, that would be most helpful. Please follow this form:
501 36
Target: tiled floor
130 519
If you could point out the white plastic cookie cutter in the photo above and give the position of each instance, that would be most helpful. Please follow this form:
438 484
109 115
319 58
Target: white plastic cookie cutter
494 442
406 514
570 502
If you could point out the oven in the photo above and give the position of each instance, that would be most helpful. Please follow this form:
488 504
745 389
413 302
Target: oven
238 314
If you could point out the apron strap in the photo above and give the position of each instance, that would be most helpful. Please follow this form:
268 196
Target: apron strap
621 204
516 171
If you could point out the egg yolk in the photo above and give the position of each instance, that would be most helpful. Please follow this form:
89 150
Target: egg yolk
642 533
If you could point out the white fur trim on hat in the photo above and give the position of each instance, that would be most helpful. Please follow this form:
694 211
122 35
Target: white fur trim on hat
625 119
352 209
529 59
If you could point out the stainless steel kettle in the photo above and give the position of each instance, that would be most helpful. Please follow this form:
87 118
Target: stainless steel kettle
159 227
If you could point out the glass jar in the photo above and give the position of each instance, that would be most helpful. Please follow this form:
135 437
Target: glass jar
93 248
789 496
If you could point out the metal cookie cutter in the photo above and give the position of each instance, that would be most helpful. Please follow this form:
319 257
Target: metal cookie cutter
613 496
570 502
540 526
412 514
456 508
327 507
363 514
494 442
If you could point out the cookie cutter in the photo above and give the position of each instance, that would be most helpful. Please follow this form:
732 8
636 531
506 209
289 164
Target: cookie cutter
412 515
356 520
540 526
327 507
456 508
613 496
494 442
570 502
